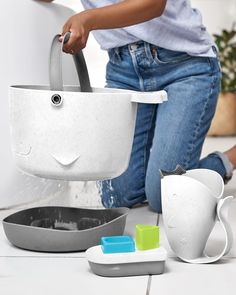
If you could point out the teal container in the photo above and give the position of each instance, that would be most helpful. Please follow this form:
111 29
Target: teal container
117 244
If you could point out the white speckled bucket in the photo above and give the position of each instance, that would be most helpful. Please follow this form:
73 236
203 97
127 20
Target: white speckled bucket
72 135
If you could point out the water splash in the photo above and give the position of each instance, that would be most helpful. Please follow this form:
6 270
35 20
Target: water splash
105 187
110 187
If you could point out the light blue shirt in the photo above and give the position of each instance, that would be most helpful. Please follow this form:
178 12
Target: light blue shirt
179 28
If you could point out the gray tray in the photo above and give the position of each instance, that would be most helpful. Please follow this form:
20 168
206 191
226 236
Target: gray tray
63 229
128 269
146 262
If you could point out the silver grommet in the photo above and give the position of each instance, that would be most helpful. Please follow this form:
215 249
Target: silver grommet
56 100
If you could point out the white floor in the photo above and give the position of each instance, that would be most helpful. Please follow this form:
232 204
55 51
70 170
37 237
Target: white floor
25 272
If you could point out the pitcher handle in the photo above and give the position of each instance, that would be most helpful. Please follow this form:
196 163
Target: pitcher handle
55 66
222 214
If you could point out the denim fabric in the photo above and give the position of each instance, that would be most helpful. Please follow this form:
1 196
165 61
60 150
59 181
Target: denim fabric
166 134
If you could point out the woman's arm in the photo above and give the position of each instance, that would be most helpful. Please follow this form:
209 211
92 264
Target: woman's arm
122 14
125 13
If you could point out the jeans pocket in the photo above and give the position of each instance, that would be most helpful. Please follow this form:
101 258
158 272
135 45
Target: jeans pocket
166 56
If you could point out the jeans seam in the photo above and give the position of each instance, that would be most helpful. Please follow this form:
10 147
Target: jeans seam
141 82
145 142
148 52
199 123
158 61
171 62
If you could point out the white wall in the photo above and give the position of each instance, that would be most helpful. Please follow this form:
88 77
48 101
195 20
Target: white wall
217 14
26 28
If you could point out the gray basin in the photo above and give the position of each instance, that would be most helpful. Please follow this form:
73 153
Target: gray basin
63 229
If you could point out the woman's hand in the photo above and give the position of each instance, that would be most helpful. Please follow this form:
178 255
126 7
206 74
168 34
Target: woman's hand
79 27
122 14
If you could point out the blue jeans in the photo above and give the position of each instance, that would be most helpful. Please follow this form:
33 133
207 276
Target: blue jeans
167 134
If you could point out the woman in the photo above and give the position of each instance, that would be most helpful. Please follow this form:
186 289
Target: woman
154 45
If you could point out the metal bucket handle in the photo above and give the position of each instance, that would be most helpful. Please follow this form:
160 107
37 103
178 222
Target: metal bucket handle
55 66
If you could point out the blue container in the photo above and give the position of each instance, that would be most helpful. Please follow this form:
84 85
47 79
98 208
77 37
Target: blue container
117 244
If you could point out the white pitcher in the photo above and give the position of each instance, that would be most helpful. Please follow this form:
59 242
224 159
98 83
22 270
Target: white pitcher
191 204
